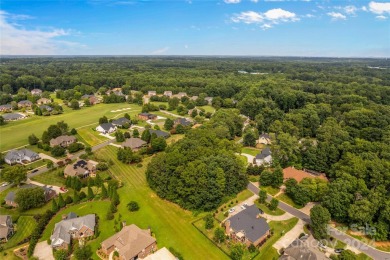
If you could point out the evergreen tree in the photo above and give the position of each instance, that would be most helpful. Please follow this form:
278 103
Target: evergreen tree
61 202
54 206
135 133
90 193
168 125
76 197
104 192
146 136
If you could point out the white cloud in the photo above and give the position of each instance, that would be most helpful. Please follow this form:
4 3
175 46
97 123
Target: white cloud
254 1
280 15
267 19
248 17
337 16
379 8
364 9
381 17
186 46
310 16
17 40
350 9
160 51
232 1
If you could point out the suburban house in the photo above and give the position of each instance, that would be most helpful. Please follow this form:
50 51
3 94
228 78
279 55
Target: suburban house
36 92
63 140
115 91
106 128
298 250
13 116
6 108
209 100
263 158
248 227
81 169
146 116
72 227
168 93
92 99
121 122
48 192
25 103
264 139
182 121
194 98
45 108
134 143
299 175
161 254
131 243
21 156
6 227
152 93
43 101
159 133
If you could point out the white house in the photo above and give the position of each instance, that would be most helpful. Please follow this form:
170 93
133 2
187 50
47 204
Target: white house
152 93
168 93
264 139
263 158
106 128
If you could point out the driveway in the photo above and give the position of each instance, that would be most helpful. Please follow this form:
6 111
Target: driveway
248 156
45 156
43 251
56 188
290 236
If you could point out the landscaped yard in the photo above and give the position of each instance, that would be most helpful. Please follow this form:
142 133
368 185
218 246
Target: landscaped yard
208 109
170 224
243 195
250 151
24 228
174 138
18 131
286 199
53 177
279 228
270 190
266 210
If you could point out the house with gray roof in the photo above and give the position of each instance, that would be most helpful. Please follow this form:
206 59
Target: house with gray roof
121 122
63 140
21 156
147 116
263 158
159 133
6 227
6 108
298 250
13 116
134 143
106 128
248 227
43 101
45 107
72 228
264 139
182 121
81 169
48 193
25 103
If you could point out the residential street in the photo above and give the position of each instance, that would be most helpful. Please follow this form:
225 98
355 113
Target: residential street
368 250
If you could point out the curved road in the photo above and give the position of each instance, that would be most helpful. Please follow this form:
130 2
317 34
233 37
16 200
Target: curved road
368 250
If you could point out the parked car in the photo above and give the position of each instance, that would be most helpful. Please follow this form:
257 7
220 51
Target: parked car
231 210
33 171
4 184
243 207
321 245
338 250
63 189
246 204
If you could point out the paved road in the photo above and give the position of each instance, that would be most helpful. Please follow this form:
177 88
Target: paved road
368 250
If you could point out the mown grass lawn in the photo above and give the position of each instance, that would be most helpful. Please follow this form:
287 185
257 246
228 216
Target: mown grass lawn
24 228
279 228
266 210
270 190
170 223
90 136
15 134
53 177
208 109
250 151
286 199
174 138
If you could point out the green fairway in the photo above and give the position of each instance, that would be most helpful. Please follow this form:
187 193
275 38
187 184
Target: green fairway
90 136
14 134
171 224
24 228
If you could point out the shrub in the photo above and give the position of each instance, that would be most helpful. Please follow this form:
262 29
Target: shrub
133 206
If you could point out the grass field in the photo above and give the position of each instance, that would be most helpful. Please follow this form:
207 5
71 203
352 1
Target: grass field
171 224
286 199
208 109
263 207
250 151
24 229
51 178
90 137
270 190
15 133
279 228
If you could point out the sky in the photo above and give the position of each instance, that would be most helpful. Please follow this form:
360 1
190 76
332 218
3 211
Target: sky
325 28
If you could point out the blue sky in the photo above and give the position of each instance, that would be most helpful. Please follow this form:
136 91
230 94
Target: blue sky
196 27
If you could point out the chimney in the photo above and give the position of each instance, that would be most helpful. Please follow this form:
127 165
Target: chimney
123 224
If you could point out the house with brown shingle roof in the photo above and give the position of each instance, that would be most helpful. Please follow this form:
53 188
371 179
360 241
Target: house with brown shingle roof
43 101
134 143
131 243
63 140
299 175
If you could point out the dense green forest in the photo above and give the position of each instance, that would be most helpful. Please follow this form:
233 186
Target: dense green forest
329 115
